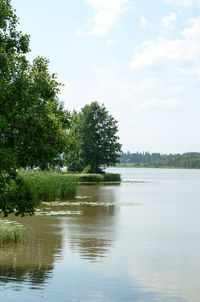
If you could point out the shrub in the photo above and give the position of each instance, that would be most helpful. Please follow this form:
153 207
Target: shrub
18 198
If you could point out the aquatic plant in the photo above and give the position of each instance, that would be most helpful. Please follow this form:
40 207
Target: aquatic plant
50 185
10 231
54 185
89 177
107 177
112 177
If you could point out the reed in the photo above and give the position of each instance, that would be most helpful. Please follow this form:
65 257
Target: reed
50 185
10 232
112 177
54 185
96 178
89 177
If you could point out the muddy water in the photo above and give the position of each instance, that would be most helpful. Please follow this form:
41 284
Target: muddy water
137 241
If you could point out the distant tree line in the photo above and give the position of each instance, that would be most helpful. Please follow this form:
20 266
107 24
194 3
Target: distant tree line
145 159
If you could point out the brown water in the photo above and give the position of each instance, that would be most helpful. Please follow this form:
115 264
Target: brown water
137 241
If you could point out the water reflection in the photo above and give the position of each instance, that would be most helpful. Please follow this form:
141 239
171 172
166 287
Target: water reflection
35 277
33 260
108 247
92 233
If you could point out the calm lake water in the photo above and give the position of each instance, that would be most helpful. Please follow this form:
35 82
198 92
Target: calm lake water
137 241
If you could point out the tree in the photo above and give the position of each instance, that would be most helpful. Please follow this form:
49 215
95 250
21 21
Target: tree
32 121
95 131
42 136
73 152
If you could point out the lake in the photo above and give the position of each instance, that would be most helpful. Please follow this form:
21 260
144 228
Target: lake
135 241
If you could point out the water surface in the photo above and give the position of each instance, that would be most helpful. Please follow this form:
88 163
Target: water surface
137 241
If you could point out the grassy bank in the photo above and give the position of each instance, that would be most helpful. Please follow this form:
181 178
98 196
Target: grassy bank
10 232
49 186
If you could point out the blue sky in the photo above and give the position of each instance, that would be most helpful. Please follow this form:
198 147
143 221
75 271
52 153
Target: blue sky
140 58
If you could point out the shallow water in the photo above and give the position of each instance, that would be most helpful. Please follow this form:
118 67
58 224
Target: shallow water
137 241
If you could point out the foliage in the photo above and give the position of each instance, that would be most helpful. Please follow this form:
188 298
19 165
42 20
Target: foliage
73 152
32 121
42 135
95 134
49 185
17 198
139 157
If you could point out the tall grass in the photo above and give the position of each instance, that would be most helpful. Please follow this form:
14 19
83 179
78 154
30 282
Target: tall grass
112 177
107 177
50 186
53 185
10 232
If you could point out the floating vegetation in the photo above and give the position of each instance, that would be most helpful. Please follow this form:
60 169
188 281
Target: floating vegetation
10 231
135 181
57 213
88 203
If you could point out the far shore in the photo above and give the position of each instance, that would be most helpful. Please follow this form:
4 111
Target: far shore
152 167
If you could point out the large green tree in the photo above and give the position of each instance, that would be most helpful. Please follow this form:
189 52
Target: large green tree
96 140
32 121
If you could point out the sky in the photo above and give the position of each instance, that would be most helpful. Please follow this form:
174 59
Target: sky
140 58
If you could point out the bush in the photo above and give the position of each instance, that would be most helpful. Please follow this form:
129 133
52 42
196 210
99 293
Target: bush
18 198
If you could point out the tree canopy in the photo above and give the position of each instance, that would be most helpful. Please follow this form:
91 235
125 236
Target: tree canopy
96 141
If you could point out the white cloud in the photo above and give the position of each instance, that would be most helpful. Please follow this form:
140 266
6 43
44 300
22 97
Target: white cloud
193 32
168 21
155 52
146 84
107 14
143 22
158 103
183 3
